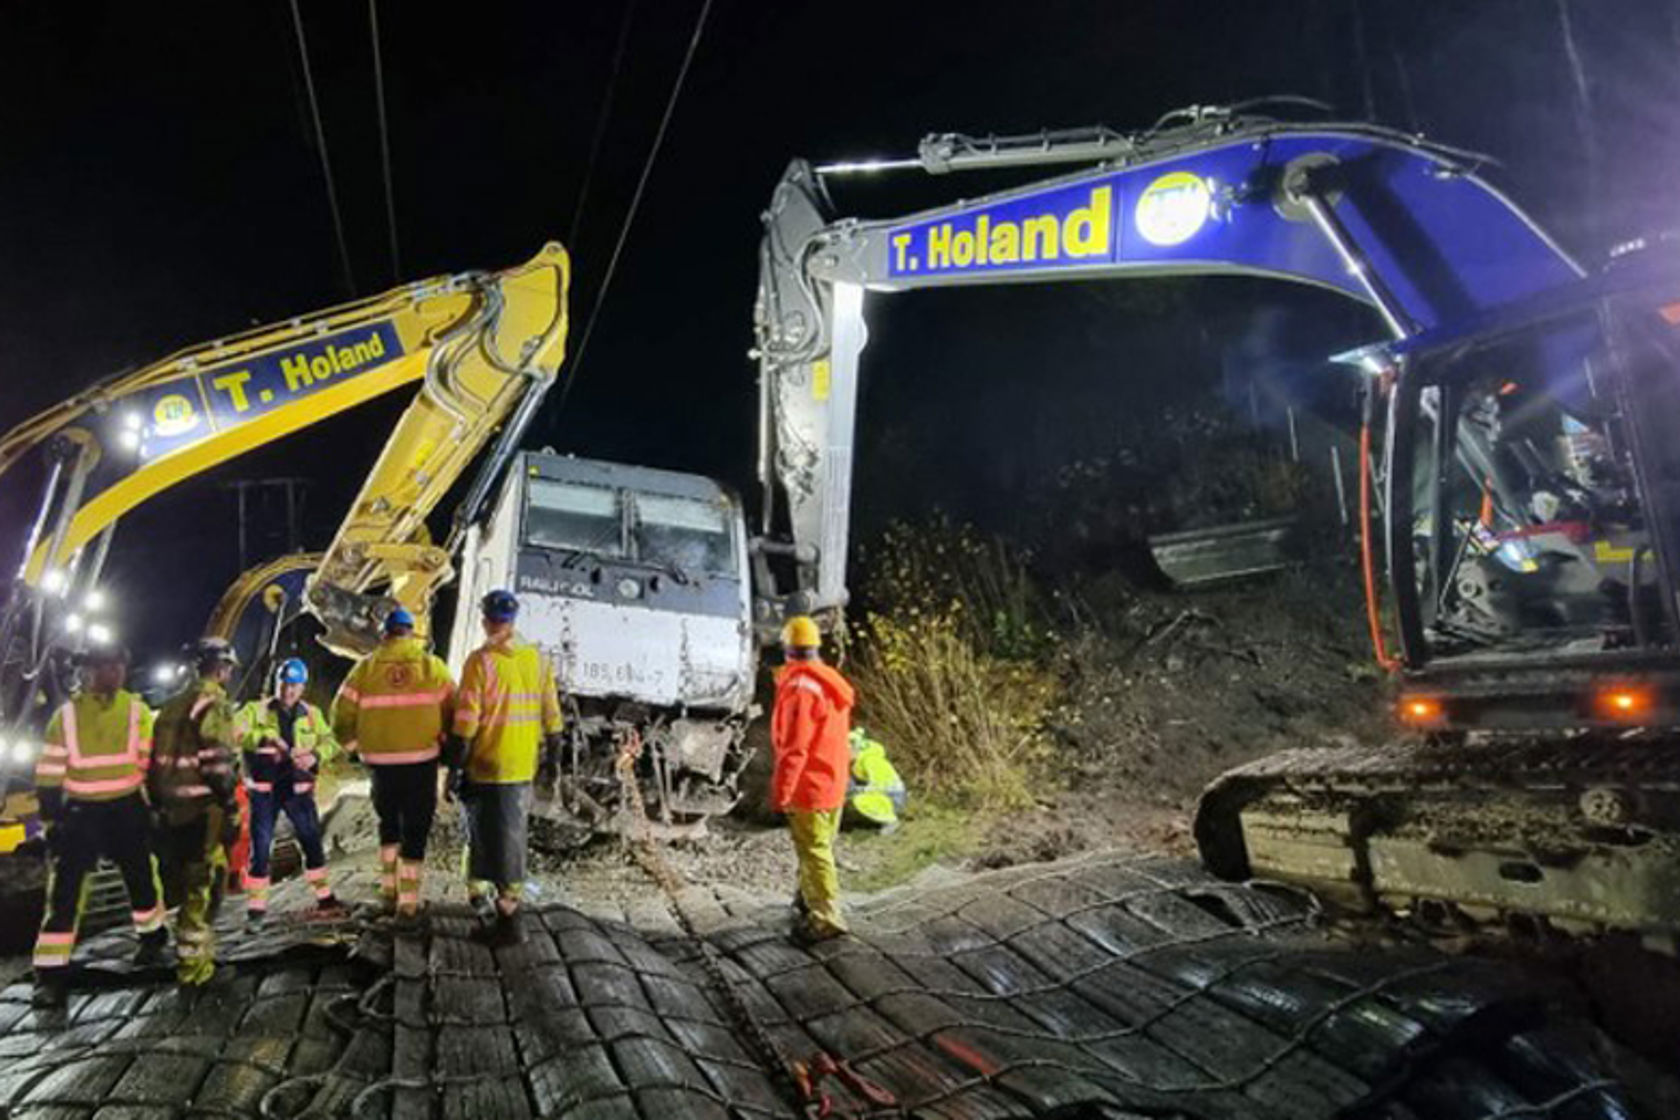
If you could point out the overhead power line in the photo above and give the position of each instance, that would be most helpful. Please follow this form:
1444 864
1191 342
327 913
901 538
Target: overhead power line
321 145
385 144
601 123
635 203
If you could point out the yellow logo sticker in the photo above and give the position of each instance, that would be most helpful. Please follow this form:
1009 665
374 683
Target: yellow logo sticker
174 415
1173 208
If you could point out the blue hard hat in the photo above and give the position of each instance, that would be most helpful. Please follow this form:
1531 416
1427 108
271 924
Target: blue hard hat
398 619
292 671
499 606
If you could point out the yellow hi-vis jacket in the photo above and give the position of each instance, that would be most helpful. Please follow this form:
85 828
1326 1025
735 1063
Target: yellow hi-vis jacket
877 792
270 762
394 706
508 701
97 750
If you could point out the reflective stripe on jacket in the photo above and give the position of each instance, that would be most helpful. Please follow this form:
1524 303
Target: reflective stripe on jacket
270 760
808 730
395 704
192 763
507 702
97 750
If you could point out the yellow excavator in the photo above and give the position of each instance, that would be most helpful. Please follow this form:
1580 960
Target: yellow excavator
484 346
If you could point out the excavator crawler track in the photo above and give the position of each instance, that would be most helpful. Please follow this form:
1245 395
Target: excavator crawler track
1579 835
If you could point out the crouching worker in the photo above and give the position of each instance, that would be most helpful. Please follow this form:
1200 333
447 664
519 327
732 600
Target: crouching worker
393 710
876 795
284 739
192 789
90 781
809 727
507 720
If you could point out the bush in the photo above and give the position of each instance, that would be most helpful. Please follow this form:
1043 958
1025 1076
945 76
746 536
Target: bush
982 584
952 667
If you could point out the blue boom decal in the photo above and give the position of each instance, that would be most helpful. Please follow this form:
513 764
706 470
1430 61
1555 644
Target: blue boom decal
1439 239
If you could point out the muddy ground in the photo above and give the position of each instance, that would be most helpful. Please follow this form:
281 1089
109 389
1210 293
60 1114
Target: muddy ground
1163 692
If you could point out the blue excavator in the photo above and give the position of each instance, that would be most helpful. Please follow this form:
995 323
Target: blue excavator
1519 485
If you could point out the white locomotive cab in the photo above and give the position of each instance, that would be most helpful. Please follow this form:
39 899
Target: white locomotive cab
636 583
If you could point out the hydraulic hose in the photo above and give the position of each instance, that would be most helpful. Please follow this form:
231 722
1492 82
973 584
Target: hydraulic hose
1367 562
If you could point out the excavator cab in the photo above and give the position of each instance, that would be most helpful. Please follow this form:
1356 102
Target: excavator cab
1532 515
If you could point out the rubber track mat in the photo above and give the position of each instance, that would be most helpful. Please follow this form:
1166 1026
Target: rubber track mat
1106 986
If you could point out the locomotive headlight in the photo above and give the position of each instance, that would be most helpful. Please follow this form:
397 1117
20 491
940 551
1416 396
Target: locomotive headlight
629 589
23 751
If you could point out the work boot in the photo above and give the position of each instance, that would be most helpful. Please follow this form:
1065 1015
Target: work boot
406 921
217 982
504 933
50 993
329 904
483 906
808 933
254 919
798 904
154 947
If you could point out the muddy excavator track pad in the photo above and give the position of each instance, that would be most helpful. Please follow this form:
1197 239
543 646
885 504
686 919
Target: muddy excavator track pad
1106 986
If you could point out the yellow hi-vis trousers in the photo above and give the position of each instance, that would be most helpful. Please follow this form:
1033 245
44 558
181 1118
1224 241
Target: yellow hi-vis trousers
814 831
198 861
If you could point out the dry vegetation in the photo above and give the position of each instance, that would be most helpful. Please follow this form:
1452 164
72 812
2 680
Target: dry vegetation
954 666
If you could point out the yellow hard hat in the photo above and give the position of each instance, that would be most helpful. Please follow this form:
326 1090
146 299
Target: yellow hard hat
801 632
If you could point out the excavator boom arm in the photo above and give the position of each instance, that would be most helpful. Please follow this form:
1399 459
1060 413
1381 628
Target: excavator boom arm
1384 218
482 344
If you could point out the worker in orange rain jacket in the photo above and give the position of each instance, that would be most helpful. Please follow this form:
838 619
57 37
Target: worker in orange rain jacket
809 727
393 710
91 783
507 714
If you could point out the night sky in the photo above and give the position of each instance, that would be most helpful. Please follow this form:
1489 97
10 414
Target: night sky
162 187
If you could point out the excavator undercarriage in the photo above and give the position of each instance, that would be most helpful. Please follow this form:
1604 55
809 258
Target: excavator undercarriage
1577 835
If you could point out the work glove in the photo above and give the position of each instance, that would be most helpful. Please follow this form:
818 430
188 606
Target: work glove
455 752
52 805
457 788
230 828
548 766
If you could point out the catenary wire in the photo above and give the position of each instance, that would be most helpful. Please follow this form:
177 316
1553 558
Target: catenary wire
385 143
635 203
601 123
321 146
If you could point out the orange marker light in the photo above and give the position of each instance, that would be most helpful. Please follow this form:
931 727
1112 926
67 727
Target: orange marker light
1624 703
1420 711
